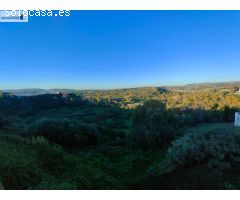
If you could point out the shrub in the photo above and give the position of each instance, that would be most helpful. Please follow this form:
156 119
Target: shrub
18 167
3 122
88 171
49 156
51 183
195 178
216 146
66 132
152 124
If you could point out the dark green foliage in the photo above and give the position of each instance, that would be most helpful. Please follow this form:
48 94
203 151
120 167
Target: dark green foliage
49 157
66 132
108 117
207 157
228 114
62 141
152 124
190 117
217 147
39 164
72 99
196 178
3 121
52 183
27 105
18 168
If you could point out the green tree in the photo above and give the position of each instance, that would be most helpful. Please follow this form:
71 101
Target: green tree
152 124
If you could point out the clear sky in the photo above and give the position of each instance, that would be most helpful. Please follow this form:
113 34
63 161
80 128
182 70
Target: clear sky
114 49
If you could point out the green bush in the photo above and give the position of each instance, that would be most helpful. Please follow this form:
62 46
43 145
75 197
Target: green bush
52 183
18 167
66 132
152 124
216 146
195 178
50 157
4 122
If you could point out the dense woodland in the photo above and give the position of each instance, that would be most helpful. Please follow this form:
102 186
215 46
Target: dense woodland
140 138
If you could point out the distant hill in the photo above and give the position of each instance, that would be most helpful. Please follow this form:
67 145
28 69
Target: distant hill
35 92
220 84
27 92
125 91
207 86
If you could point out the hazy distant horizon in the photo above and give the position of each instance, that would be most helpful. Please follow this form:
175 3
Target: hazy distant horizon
146 86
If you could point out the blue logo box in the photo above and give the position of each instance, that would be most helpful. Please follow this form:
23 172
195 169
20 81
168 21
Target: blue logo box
13 16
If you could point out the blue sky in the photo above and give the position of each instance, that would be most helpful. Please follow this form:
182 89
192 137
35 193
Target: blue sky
117 49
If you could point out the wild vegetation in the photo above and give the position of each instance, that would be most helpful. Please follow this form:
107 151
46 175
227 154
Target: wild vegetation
144 138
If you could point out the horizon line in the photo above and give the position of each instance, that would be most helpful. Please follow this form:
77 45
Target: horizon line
122 88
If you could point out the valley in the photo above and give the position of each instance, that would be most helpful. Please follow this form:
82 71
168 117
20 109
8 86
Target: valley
139 138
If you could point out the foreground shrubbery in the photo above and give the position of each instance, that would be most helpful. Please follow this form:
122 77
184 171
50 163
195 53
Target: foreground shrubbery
217 147
206 157
4 122
70 153
38 164
49 157
18 167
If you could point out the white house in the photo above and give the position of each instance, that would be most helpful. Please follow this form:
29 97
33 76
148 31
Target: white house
237 119
238 92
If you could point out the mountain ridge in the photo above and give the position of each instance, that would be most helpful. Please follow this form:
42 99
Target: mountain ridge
193 86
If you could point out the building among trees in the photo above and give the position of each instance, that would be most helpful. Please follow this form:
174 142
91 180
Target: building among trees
237 119
236 89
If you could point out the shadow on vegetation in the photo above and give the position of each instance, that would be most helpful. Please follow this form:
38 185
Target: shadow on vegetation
64 141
